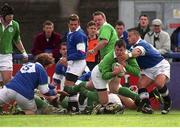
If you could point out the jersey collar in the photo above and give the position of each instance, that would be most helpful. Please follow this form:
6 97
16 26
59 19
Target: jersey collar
77 29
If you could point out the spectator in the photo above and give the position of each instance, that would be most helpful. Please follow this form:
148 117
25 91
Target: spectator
76 57
21 87
61 67
175 40
158 38
122 34
9 34
143 26
93 59
107 35
47 41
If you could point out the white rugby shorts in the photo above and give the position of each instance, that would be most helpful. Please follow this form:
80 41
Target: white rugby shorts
6 62
97 80
76 67
162 67
7 95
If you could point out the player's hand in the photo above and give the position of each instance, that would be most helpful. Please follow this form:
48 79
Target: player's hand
62 93
118 69
25 57
63 61
90 52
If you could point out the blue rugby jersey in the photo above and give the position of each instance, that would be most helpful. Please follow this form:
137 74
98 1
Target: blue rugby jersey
30 76
60 72
151 58
73 39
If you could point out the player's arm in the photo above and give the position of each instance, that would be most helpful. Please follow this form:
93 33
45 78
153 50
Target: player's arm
106 75
81 47
45 90
49 94
81 50
132 67
21 48
136 52
99 46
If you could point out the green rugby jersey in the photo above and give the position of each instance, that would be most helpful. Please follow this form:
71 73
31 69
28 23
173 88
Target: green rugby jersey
105 66
9 35
107 32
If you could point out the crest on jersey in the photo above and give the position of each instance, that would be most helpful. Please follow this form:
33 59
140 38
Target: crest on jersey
10 29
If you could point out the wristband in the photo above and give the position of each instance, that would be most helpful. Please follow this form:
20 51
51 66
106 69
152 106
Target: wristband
24 54
130 55
23 51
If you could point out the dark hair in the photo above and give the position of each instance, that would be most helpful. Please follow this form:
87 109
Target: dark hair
6 9
63 43
120 43
99 13
119 22
48 22
45 59
90 23
144 15
74 17
134 30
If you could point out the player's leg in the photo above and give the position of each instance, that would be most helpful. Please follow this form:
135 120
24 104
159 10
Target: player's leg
28 106
124 91
162 76
115 87
6 67
73 99
39 102
101 87
5 97
155 94
128 102
6 76
74 70
163 90
144 105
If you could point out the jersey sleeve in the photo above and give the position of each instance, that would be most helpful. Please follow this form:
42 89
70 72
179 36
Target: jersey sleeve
43 77
105 33
16 37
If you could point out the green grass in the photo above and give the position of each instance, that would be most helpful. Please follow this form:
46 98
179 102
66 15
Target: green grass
129 118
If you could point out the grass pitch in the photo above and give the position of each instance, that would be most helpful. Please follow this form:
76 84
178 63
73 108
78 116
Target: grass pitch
128 119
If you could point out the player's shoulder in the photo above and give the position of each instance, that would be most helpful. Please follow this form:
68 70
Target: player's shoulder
38 66
15 23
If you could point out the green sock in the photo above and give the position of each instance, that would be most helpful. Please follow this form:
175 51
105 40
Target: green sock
64 102
92 98
74 89
92 95
70 89
83 85
124 91
39 102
